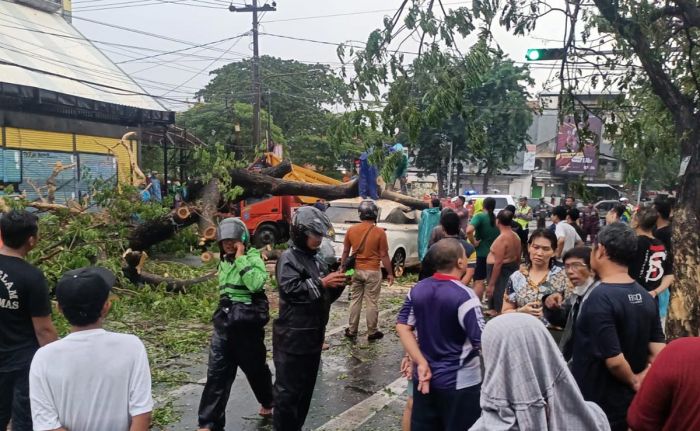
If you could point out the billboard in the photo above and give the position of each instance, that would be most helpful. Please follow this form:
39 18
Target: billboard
574 157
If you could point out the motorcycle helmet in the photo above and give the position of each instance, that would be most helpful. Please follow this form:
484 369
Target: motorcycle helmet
368 210
232 228
310 219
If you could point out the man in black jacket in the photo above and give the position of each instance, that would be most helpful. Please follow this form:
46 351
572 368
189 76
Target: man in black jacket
306 292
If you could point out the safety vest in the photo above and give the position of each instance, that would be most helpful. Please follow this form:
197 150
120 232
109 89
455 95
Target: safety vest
522 222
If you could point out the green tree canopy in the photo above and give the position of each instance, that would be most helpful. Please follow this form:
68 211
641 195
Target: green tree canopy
215 123
300 98
486 126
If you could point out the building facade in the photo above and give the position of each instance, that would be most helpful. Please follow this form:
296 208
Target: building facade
64 104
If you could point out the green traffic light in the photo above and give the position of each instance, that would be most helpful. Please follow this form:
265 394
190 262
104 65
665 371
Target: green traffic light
533 54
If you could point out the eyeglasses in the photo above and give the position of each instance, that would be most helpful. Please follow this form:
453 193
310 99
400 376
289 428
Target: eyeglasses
575 265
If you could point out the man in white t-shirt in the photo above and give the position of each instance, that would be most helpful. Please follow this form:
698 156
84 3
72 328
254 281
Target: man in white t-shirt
92 379
567 238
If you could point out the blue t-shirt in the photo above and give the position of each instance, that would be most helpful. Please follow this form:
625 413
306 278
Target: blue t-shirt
447 316
616 318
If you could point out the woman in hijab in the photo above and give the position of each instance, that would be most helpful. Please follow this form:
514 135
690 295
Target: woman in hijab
527 385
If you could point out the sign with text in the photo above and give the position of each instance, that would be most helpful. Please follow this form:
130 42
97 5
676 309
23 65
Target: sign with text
577 147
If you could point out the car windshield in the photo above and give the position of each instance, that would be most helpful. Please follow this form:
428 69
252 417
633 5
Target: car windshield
342 214
501 202
338 214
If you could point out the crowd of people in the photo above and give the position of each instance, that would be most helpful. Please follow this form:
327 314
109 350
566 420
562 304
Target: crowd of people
506 328
601 313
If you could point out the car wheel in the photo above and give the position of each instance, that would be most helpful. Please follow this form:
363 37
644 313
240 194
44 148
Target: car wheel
398 263
265 235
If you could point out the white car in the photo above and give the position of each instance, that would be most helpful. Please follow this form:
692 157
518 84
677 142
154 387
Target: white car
502 201
398 221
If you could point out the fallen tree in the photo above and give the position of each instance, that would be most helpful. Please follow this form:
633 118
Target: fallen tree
127 223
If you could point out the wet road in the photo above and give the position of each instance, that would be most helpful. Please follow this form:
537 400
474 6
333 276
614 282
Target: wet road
358 386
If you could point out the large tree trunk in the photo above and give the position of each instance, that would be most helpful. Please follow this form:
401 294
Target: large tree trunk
684 310
487 179
208 207
256 184
154 231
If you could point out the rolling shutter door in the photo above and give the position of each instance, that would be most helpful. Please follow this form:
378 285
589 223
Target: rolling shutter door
112 146
96 167
10 166
37 167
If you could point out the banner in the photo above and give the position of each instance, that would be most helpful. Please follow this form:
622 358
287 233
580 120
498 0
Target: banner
574 157
529 158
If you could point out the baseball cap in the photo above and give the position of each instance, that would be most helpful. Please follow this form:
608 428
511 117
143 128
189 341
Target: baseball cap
85 289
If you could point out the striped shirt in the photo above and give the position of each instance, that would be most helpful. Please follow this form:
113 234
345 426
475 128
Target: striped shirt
447 315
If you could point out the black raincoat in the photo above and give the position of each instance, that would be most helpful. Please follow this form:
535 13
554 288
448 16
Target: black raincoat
298 333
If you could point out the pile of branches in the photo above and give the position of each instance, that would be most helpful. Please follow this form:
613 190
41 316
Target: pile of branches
113 228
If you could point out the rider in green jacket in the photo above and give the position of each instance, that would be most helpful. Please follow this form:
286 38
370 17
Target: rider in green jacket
239 327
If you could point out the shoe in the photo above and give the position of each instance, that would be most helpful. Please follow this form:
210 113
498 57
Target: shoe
376 336
349 334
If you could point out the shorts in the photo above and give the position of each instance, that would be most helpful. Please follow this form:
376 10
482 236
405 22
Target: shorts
409 388
480 271
446 409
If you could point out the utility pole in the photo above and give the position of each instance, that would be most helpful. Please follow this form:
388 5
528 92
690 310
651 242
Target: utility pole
256 61
269 119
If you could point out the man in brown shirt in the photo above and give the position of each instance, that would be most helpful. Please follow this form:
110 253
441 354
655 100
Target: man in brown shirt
370 247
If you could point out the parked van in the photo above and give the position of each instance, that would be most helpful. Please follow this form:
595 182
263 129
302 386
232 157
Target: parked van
501 200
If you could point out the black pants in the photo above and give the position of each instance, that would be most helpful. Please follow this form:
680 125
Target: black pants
445 410
231 348
14 400
295 378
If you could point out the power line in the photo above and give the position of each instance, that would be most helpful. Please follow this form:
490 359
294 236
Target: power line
185 49
204 69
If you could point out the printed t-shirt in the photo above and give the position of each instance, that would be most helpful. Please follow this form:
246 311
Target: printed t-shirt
23 295
651 263
447 315
616 318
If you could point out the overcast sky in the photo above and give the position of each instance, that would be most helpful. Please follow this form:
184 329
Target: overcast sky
203 21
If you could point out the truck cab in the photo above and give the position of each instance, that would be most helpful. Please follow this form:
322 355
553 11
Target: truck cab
267 218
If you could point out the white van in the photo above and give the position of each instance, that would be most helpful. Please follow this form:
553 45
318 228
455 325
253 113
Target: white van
398 221
501 201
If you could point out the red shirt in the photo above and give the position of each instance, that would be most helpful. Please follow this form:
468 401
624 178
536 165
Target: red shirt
669 398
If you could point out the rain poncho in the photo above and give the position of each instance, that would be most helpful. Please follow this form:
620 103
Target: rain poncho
429 218
527 385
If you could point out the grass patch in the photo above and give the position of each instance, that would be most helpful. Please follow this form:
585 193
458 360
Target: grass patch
171 326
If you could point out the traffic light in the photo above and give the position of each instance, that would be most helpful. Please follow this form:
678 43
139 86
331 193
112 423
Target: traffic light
544 54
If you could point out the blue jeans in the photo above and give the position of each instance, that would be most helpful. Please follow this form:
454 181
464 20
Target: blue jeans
445 410
14 400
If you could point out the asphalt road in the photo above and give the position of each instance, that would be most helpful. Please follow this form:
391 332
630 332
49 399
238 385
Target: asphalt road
358 386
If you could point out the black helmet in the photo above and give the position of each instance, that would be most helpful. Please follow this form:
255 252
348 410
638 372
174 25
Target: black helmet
232 228
310 219
368 210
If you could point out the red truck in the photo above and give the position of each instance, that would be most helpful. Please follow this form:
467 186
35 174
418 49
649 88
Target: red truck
268 218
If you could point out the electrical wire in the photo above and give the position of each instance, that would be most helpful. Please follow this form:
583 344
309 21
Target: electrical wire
204 69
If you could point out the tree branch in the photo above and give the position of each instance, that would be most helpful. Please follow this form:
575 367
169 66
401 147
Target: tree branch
680 107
